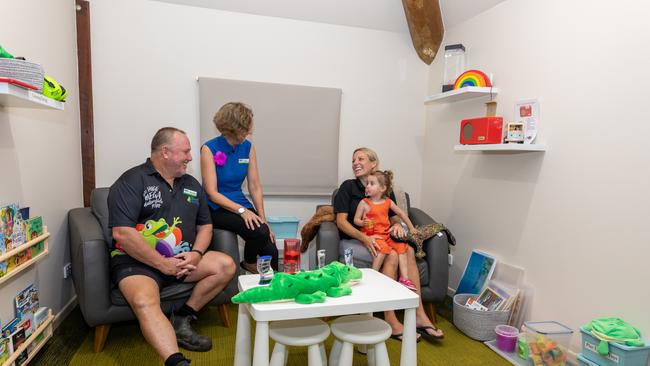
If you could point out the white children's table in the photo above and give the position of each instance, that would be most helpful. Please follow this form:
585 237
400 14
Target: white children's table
375 293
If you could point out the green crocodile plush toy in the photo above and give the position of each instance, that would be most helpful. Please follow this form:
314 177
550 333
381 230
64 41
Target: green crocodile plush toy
309 287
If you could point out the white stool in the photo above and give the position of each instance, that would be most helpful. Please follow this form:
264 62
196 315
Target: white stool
359 329
300 332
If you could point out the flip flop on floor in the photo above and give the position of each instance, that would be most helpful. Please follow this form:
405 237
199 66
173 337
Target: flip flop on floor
398 337
428 336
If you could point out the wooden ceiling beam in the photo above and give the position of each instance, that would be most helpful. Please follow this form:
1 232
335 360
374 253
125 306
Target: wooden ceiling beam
425 25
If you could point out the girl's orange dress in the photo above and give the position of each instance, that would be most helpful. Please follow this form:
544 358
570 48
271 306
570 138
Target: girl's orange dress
380 226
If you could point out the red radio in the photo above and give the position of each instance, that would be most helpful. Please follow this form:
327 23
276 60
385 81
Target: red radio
482 130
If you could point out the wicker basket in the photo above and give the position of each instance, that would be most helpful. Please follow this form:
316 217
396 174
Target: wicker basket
22 70
477 324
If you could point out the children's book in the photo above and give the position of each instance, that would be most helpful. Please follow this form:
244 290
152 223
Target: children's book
490 299
3 246
26 305
36 249
9 328
5 352
18 338
3 268
7 223
34 227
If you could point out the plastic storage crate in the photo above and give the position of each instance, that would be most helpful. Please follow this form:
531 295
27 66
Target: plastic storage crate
284 226
477 324
583 361
619 354
552 330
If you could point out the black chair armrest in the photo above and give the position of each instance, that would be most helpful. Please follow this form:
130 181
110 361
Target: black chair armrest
419 217
90 265
226 242
437 250
328 238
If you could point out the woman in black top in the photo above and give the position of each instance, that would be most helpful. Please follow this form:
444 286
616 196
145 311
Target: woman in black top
350 193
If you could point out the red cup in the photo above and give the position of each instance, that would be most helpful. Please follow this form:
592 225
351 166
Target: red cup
291 258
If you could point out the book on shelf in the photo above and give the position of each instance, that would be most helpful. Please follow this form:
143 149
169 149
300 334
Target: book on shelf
7 214
34 227
5 351
9 328
26 306
18 338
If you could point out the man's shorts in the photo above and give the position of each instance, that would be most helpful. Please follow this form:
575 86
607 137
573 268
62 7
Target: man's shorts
123 266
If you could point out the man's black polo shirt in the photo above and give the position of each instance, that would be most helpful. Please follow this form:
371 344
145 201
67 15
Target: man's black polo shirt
142 199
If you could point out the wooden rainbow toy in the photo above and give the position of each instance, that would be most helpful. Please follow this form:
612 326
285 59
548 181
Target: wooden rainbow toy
472 78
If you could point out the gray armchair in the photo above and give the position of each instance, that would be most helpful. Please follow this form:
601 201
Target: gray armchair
434 270
102 303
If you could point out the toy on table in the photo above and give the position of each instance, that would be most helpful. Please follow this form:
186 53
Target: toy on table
304 287
264 269
472 78
541 350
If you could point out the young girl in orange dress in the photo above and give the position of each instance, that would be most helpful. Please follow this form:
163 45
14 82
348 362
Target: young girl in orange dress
372 217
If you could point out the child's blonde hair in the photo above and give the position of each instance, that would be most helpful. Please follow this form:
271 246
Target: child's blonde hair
385 178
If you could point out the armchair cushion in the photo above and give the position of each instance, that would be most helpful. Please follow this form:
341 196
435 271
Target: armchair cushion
99 207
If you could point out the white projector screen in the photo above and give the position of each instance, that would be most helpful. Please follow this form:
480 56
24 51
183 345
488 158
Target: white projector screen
295 132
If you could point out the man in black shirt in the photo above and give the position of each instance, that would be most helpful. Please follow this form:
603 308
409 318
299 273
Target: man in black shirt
162 229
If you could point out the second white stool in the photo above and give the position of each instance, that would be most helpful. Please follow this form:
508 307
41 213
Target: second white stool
301 332
359 329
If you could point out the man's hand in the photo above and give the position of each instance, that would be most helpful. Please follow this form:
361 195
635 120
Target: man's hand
169 266
187 262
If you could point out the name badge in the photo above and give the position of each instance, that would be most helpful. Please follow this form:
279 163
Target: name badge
243 161
189 192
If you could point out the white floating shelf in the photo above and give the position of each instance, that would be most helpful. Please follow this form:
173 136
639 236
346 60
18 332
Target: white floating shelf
468 92
501 147
16 96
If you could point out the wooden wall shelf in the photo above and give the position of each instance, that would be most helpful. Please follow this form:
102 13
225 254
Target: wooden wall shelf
22 248
468 92
45 327
16 96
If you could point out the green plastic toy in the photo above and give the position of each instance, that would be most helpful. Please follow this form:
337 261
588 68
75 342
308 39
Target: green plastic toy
308 287
614 330
54 90
5 54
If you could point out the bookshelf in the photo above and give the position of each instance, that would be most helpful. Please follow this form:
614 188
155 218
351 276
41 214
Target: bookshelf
46 329
21 267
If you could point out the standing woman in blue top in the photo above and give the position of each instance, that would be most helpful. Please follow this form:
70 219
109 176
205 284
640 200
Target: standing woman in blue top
226 161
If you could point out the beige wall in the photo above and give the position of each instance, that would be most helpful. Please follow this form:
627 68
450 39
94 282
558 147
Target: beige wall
145 77
40 160
575 217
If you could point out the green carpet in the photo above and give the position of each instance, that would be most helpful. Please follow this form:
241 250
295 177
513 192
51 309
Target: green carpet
126 346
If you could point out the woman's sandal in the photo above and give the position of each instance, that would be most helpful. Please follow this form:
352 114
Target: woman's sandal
399 337
428 336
